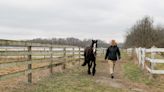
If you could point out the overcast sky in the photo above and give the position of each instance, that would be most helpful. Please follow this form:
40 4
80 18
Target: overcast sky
95 19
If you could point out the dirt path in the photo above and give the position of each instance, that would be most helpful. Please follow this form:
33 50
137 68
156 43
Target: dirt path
103 77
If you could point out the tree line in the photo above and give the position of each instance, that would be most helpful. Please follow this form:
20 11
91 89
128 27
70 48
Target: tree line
144 34
69 41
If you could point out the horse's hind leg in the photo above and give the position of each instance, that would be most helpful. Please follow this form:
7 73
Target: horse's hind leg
94 68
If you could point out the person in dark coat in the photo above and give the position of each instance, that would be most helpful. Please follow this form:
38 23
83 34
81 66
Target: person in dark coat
112 55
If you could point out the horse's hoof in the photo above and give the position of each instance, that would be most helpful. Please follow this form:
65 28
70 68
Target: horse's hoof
93 74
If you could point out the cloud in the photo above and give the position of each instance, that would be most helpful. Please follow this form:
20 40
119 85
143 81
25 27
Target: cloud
97 19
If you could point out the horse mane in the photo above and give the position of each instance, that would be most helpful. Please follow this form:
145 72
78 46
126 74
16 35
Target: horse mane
93 41
88 50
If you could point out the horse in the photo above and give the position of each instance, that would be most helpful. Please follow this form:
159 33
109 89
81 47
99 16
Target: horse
90 57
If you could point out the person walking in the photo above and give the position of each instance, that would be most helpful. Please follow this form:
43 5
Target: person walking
112 55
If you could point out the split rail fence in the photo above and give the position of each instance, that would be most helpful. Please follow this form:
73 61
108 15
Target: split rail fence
23 58
148 58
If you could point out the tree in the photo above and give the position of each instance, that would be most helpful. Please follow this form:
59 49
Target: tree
69 41
143 34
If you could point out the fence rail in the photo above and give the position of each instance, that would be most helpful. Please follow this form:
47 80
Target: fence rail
23 58
146 58
34 57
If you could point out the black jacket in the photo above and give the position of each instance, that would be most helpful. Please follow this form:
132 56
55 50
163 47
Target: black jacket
112 53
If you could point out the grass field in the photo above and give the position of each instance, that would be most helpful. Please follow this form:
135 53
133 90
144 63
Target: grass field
72 80
128 78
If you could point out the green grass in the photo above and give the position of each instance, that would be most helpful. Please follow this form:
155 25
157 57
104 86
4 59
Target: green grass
135 74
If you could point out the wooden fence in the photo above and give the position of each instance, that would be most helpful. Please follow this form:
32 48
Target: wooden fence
22 58
147 59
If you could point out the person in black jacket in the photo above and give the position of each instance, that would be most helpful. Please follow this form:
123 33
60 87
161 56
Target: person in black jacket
112 55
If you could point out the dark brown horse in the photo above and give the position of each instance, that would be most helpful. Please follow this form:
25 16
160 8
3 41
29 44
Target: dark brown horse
90 57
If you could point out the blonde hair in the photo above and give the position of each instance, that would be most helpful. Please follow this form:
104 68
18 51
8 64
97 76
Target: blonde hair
113 43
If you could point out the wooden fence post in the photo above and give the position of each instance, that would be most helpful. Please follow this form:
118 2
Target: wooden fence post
65 57
51 58
143 58
79 55
152 57
64 53
140 57
152 63
29 65
24 56
44 54
6 57
73 53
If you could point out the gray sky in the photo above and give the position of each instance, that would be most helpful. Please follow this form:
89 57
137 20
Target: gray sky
95 19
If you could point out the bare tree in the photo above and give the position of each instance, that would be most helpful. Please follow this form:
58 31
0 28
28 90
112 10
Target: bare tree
144 34
69 41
